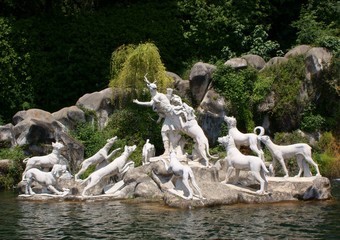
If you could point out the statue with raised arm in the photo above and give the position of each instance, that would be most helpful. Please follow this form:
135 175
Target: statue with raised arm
161 104
100 158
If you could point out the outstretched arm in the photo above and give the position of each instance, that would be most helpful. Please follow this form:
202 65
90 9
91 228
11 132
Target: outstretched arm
148 104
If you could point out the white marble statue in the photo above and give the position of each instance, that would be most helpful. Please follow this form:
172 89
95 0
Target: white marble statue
245 139
101 157
185 173
161 104
148 152
118 165
46 162
178 117
46 179
302 152
189 126
238 161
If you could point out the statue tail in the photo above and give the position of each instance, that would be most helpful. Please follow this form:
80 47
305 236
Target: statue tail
261 130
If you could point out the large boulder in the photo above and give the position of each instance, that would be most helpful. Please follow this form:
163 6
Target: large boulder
211 112
69 116
200 78
316 60
275 61
35 126
237 63
298 50
254 61
7 136
100 102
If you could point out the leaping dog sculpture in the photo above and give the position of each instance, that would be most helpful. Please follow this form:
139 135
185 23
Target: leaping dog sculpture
118 165
98 158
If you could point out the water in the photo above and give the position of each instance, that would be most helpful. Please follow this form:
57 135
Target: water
123 220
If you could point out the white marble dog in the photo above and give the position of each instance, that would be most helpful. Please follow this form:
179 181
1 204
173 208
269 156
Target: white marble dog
98 158
185 172
245 139
47 161
46 179
301 151
148 152
238 161
118 165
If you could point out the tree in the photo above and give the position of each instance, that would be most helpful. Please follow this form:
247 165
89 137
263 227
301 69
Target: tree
16 90
144 59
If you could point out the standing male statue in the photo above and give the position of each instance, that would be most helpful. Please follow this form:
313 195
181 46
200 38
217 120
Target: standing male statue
178 117
161 104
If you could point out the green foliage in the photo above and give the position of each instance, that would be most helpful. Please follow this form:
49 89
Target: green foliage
144 59
318 24
311 122
286 81
262 87
16 90
237 86
9 179
327 155
257 43
118 58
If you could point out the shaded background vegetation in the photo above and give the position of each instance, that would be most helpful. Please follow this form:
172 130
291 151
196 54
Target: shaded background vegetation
49 46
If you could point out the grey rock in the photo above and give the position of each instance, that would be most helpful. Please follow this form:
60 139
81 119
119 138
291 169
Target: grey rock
200 78
237 63
255 61
298 50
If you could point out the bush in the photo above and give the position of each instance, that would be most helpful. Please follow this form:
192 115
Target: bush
327 155
14 174
237 86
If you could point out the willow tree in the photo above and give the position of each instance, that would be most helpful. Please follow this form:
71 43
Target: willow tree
138 61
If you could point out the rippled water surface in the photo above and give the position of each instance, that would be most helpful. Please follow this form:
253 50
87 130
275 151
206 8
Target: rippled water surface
123 220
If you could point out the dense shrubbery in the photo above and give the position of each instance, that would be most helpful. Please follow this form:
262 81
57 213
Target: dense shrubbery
9 179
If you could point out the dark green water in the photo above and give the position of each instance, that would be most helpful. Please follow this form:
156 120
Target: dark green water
121 220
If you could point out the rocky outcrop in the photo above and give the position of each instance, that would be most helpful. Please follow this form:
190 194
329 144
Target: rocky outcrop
100 102
152 182
316 60
298 50
254 61
237 63
211 113
200 78
7 139
69 116
35 126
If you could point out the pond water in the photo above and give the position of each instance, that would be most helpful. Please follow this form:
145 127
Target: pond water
123 220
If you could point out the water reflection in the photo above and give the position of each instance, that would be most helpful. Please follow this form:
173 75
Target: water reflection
121 220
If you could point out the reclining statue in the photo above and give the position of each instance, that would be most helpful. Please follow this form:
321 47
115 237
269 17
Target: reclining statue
46 162
98 158
118 165
46 179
